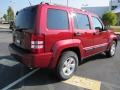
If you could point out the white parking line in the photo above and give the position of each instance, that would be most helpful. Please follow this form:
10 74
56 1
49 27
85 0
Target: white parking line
19 80
9 63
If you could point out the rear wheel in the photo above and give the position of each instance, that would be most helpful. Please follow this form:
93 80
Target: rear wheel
67 65
112 50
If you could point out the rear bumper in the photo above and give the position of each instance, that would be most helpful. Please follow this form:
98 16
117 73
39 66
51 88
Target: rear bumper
33 60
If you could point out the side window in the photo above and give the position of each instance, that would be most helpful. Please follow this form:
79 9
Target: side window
57 19
81 21
96 23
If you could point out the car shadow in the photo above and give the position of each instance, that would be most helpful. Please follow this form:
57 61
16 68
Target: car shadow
43 77
6 57
47 77
9 74
10 70
94 58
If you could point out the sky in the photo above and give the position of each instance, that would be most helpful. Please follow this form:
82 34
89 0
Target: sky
19 4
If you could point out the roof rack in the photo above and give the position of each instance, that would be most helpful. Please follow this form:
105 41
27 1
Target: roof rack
48 3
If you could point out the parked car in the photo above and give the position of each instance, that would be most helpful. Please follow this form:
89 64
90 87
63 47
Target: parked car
4 22
12 25
59 37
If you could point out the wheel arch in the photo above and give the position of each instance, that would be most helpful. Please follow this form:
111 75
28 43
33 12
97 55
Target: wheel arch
65 45
74 49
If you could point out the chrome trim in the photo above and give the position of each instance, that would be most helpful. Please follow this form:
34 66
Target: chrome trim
95 46
93 54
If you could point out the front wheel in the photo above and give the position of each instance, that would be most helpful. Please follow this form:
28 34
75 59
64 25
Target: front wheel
67 65
112 50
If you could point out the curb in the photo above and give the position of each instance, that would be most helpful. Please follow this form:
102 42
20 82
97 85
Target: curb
4 28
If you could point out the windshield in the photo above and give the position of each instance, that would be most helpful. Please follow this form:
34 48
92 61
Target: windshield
25 18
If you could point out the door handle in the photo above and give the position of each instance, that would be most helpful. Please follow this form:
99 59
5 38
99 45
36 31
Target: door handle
77 34
96 33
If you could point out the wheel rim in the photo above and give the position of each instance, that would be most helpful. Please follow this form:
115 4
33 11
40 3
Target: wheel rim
113 49
69 66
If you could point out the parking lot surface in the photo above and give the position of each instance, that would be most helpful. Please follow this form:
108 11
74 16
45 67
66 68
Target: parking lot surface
95 73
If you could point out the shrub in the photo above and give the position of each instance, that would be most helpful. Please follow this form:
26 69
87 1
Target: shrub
109 18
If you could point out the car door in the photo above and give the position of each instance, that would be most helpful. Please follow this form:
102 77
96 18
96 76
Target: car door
83 31
100 36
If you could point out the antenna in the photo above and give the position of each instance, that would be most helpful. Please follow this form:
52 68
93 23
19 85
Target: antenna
50 1
29 2
67 3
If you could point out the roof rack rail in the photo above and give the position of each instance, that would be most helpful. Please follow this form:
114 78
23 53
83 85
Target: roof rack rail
48 3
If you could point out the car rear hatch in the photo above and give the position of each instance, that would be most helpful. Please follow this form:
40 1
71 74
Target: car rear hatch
24 35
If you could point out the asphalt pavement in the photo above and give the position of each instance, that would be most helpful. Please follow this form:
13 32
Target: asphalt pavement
95 73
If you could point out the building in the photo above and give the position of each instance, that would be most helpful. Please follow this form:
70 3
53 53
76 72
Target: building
97 10
114 6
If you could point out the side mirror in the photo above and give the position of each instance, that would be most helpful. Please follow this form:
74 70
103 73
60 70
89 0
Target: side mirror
98 28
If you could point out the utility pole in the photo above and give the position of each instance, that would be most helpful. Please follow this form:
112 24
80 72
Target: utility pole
50 1
110 5
29 2
67 3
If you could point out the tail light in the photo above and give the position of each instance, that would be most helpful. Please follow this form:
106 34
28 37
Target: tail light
37 43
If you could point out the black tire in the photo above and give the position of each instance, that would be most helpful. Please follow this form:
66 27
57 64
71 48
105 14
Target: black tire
65 57
109 52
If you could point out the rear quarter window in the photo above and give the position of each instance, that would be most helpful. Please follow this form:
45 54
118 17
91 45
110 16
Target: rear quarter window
57 19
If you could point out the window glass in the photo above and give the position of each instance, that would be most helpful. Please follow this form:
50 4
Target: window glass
25 18
81 21
96 23
57 19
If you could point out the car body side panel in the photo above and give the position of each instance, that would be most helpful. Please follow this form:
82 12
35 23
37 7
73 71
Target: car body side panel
62 45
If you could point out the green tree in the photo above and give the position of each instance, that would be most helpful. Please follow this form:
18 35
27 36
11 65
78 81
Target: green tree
109 18
10 13
5 17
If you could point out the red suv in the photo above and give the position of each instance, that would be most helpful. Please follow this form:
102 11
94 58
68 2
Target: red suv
59 37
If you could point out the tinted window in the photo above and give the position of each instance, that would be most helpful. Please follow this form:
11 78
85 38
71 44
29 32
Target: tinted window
57 19
25 18
96 23
81 21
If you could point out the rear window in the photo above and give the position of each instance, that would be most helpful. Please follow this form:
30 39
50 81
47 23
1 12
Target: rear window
25 18
57 19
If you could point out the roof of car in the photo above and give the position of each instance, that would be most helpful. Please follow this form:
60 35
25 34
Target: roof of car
62 6
72 8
